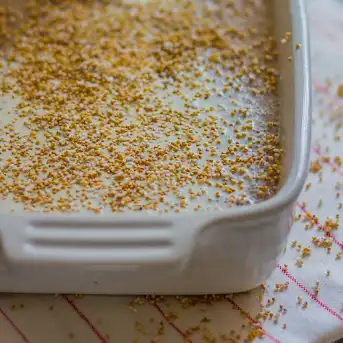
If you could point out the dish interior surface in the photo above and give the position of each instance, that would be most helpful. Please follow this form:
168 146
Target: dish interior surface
155 106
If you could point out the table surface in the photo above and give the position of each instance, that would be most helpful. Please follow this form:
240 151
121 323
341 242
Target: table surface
305 302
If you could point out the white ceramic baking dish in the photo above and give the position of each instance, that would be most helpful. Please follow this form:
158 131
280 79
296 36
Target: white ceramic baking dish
230 251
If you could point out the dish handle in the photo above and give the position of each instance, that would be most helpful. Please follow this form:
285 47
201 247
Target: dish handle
96 240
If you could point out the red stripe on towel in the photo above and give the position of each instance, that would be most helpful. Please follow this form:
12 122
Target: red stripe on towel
247 315
310 294
14 326
102 339
171 324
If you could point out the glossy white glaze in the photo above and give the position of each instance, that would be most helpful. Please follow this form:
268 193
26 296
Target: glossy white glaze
231 251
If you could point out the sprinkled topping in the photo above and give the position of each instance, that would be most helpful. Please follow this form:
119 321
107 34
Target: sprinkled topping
306 252
156 106
300 300
324 242
316 166
316 289
331 224
281 287
340 91
286 38
299 262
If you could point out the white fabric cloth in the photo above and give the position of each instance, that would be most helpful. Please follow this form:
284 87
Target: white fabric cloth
91 319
